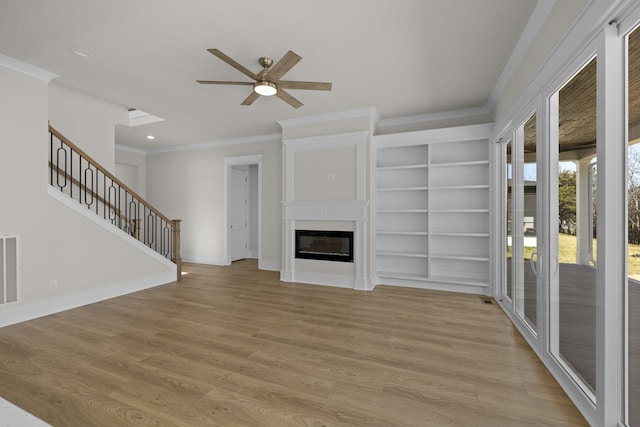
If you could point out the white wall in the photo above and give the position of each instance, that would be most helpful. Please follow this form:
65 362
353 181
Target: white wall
324 174
189 185
87 261
87 121
131 168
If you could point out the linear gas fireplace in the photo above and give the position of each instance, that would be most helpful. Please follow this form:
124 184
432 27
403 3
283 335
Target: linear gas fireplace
324 245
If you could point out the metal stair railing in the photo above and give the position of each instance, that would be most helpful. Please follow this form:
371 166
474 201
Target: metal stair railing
84 180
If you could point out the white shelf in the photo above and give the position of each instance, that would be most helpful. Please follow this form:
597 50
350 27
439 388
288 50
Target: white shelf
401 167
403 233
457 234
404 276
459 257
452 164
402 189
403 254
459 187
444 184
442 211
389 211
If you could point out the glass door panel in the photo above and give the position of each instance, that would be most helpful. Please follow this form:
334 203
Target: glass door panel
633 233
508 282
572 267
528 306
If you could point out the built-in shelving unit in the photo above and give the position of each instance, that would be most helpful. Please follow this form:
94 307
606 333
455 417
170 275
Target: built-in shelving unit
432 208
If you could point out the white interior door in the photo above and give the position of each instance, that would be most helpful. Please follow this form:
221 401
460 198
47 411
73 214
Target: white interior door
238 213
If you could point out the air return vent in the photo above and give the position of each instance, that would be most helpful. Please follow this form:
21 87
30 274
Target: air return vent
8 269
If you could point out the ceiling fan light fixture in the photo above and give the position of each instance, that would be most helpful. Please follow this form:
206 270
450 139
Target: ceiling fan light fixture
265 88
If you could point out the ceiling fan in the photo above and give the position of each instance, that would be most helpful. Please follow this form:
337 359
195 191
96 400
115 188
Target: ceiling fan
267 81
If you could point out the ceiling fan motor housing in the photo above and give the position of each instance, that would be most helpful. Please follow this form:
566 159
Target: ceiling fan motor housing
265 61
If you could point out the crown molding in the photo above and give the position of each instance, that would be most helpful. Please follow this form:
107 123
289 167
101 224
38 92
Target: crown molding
370 112
28 69
531 30
431 117
214 144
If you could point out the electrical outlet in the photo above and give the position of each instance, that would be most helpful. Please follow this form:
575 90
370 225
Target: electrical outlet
53 285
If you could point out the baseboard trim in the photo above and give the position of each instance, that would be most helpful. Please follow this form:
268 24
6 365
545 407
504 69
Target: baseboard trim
28 311
435 286
269 265
320 279
204 260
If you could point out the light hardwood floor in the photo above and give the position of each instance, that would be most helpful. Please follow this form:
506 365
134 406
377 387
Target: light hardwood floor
234 346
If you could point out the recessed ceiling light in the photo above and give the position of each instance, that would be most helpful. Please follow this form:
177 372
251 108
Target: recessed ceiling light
81 52
151 137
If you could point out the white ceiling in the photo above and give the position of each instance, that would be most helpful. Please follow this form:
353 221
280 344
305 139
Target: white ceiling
403 57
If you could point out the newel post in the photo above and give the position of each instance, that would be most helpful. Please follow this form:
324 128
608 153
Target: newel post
176 247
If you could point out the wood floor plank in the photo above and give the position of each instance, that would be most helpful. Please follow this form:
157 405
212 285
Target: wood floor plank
234 346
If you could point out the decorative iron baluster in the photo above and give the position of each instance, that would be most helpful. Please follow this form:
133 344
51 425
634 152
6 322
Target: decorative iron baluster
120 207
112 210
71 172
166 240
97 193
149 229
105 196
133 217
88 172
63 151
51 159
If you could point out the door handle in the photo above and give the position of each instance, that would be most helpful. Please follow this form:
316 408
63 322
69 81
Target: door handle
532 263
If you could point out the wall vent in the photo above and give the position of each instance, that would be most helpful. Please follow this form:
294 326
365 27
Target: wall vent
8 269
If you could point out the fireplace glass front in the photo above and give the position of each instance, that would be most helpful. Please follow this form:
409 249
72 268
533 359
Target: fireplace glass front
324 245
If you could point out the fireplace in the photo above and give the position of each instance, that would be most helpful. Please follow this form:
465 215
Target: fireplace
324 245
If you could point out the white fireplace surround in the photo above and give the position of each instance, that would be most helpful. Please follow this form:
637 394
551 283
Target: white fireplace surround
327 211
330 210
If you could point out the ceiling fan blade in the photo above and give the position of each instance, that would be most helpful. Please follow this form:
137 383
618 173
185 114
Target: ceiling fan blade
233 63
250 99
214 82
304 85
286 97
285 64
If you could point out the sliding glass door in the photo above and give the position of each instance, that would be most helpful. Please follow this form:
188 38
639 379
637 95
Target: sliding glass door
572 266
521 213
633 229
526 300
507 286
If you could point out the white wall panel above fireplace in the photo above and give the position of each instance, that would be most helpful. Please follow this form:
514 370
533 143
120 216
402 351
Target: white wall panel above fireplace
329 210
324 189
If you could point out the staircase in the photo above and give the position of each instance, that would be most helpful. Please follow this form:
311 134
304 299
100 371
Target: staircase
84 180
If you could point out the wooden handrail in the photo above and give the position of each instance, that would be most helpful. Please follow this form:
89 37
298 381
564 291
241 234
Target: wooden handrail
107 173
